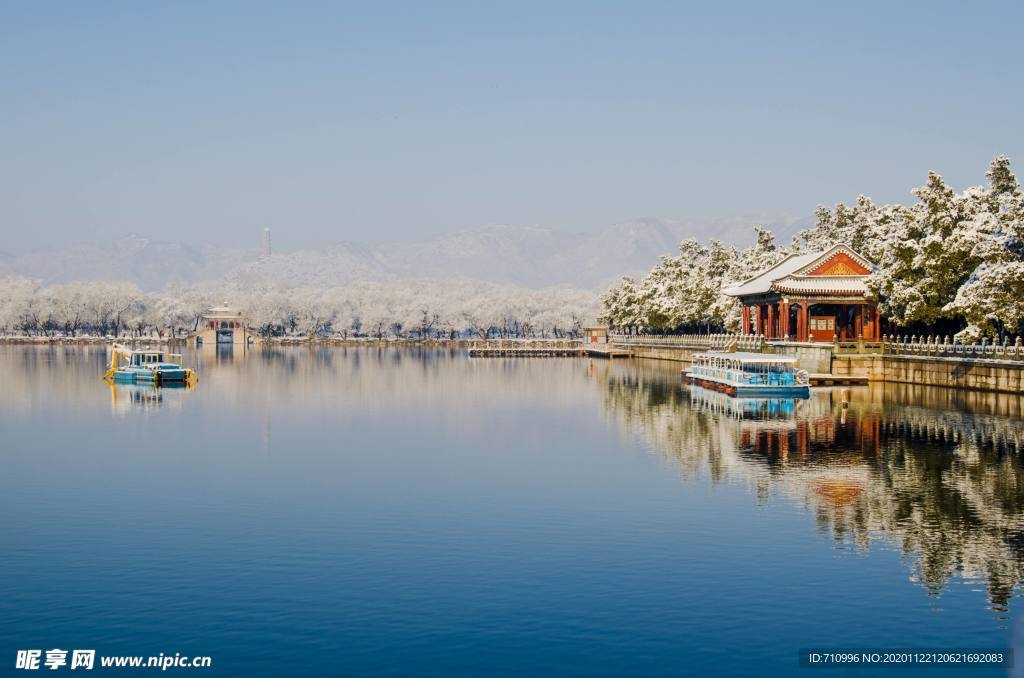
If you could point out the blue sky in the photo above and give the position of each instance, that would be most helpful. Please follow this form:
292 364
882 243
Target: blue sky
387 121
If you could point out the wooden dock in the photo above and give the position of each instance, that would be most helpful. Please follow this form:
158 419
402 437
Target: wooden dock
606 351
834 380
540 348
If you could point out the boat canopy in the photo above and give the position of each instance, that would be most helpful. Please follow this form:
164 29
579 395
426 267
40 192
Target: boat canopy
152 352
139 356
748 358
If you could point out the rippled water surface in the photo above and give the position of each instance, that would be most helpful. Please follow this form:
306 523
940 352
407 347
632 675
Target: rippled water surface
393 511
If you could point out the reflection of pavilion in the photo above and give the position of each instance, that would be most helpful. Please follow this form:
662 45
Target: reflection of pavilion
780 426
212 355
933 472
845 429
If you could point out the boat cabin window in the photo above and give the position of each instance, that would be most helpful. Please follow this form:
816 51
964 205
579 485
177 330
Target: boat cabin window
147 358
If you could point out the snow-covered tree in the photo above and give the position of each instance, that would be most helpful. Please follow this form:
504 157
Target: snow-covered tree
621 303
111 304
949 260
16 293
992 298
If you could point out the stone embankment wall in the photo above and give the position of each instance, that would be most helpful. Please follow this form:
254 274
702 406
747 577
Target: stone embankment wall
674 353
972 373
815 358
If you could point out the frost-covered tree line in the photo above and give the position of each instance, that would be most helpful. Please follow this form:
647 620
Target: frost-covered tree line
380 310
684 292
949 263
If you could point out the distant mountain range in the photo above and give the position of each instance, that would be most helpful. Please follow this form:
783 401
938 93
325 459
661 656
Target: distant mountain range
529 256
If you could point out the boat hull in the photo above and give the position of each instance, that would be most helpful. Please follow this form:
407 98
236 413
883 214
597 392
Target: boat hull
151 376
752 391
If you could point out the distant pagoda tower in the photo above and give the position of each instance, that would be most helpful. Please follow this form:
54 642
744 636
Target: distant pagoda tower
265 243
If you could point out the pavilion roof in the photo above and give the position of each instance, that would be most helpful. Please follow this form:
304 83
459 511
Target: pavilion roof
223 311
794 274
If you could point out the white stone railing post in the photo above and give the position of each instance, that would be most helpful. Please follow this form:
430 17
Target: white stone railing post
946 346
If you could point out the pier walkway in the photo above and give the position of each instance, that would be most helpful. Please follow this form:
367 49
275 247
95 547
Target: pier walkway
539 348
607 351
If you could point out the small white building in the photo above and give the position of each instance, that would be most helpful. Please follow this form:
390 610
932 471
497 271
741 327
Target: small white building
222 325
595 334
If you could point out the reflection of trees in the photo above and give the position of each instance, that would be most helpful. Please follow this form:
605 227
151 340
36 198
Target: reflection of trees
958 504
649 406
307 377
32 373
935 471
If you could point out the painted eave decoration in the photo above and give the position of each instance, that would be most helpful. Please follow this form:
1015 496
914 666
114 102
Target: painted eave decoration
839 260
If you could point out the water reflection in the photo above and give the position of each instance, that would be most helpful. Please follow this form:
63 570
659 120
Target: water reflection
128 398
407 507
744 408
222 354
305 377
933 472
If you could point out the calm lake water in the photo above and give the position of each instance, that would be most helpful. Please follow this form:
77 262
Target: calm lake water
376 511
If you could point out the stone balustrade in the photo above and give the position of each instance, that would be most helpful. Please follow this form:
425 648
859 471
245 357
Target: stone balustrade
948 348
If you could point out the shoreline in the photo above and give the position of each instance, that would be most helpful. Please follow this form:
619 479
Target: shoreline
271 341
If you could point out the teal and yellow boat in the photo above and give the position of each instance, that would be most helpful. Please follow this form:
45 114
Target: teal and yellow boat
147 366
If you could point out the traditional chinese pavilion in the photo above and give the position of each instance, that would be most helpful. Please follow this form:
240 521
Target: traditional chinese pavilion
815 296
221 325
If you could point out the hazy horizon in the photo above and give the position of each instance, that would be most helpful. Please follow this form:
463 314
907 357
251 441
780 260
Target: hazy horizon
392 123
738 232
533 257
